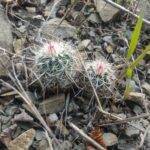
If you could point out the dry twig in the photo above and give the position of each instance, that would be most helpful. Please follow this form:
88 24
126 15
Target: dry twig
126 10
89 139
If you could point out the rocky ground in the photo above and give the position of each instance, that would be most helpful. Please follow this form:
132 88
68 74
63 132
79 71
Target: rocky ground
41 109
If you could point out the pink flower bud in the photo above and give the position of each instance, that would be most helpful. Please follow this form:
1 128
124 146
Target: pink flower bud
100 68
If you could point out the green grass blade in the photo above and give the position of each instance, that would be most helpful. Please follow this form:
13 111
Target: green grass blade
140 57
129 73
135 37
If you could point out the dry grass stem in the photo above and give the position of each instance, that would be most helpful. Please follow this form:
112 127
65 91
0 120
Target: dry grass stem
89 139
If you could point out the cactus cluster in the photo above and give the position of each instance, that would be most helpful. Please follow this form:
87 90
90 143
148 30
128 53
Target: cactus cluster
56 62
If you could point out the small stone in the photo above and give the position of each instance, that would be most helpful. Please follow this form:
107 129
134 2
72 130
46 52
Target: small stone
125 145
40 135
23 141
115 58
52 105
22 29
110 139
135 96
73 107
137 110
109 49
106 10
31 9
146 87
53 118
84 44
131 131
93 18
108 39
11 109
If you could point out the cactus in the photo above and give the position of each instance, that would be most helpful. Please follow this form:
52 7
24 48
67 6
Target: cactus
101 73
56 62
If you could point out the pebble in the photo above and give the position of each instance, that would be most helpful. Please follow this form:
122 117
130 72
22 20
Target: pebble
31 9
110 139
52 105
137 110
93 18
108 39
131 131
40 135
53 118
84 44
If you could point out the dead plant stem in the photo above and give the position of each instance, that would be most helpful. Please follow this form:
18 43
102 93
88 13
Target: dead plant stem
89 139
126 10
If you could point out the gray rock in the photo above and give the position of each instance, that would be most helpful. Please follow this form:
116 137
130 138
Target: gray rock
40 135
52 29
11 109
134 128
131 131
52 105
106 11
6 39
146 87
53 118
125 145
110 139
31 9
108 39
6 42
93 18
137 109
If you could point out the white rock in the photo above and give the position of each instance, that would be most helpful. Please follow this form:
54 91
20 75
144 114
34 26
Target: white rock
131 131
53 118
110 139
